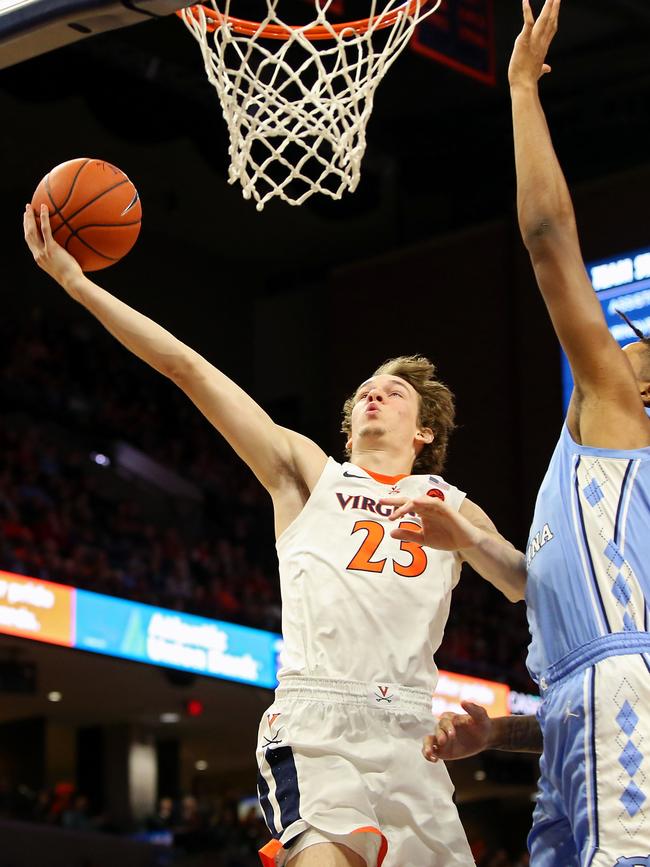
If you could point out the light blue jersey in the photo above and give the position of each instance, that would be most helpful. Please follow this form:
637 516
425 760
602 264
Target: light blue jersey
588 553
587 593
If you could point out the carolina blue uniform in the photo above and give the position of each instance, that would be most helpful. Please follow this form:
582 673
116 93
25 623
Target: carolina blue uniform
588 598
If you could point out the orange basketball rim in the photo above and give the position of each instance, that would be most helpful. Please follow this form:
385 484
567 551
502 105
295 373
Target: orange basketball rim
216 19
297 98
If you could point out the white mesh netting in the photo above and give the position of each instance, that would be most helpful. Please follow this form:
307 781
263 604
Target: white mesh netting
297 109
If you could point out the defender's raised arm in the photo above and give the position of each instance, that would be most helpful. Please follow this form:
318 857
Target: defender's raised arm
605 386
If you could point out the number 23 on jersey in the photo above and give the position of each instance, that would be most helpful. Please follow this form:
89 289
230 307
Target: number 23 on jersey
363 560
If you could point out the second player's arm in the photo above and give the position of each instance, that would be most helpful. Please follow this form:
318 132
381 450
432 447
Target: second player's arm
275 454
492 555
516 734
468 532
458 736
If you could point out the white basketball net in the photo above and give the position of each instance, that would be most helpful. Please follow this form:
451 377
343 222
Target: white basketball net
297 109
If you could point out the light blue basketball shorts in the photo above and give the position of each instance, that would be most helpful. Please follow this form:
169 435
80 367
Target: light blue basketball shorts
593 802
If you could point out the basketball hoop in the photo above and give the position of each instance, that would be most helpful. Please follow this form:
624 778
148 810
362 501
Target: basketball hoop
297 98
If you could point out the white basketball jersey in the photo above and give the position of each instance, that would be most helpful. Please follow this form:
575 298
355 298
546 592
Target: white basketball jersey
358 604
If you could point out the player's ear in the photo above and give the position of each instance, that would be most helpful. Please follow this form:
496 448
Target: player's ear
644 388
425 435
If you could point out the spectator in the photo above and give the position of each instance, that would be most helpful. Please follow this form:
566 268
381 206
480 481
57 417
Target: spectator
76 816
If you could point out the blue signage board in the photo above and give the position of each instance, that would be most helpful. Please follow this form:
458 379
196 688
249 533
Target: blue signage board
158 636
621 283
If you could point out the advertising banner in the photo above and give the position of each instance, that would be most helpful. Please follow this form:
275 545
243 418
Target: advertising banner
118 627
57 614
454 688
36 609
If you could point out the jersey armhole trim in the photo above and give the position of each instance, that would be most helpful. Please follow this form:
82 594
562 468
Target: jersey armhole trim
329 463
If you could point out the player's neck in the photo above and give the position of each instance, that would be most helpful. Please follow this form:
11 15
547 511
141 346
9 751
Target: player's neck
384 461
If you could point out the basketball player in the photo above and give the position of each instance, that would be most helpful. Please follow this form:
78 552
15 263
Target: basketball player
341 775
459 736
588 558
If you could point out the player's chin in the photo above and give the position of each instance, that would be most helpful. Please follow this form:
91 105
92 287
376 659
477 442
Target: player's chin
372 429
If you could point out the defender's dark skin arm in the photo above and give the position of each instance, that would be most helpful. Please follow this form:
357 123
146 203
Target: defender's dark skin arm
606 410
516 734
458 736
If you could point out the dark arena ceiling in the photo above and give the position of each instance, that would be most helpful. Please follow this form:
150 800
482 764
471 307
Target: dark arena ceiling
439 151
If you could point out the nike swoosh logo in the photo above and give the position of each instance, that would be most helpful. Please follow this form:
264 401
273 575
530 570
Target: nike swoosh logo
133 202
352 475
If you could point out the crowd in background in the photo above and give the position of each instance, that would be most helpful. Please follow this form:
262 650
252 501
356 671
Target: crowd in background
58 524
58 521
228 831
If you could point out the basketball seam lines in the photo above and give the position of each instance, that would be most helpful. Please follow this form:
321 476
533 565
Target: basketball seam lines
90 247
65 201
74 233
99 226
86 204
108 225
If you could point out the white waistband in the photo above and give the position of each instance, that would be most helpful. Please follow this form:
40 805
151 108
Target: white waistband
389 696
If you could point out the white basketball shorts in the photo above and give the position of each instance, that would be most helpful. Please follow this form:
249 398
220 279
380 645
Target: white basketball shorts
341 761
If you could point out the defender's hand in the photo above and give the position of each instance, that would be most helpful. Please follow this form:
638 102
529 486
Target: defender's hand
49 255
527 64
443 528
458 736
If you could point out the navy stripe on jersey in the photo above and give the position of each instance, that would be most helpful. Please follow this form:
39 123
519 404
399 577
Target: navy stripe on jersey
287 793
621 500
593 758
265 804
644 657
585 537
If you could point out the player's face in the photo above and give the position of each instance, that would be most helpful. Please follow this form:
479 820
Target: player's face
386 405
637 355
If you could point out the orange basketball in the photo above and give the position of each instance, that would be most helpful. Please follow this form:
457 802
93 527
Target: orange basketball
95 211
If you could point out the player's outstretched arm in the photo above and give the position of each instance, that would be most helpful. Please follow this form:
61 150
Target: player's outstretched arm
547 222
275 455
470 533
458 736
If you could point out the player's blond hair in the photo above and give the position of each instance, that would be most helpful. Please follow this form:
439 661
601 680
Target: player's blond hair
437 410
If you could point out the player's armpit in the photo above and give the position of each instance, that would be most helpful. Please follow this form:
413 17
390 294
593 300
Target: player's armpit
307 459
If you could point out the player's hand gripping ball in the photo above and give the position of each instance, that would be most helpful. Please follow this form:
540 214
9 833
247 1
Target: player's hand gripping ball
94 209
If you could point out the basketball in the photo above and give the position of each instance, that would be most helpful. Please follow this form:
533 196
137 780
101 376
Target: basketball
95 211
